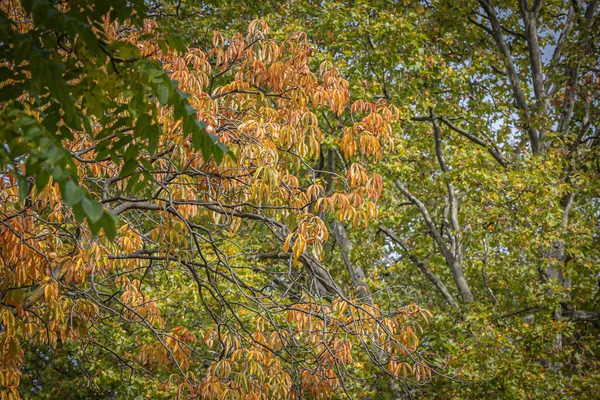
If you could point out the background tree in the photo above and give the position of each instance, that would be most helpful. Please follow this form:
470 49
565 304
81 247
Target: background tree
464 133
499 113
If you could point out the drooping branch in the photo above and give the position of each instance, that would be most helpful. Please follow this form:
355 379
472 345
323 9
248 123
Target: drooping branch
484 274
279 255
491 148
320 275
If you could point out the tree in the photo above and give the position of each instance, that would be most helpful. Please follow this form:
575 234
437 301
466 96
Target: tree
436 153
175 291
495 174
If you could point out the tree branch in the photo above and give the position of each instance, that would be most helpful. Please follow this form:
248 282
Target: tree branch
512 72
492 149
426 271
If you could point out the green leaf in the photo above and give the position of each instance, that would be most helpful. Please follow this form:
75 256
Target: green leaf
176 43
163 94
23 187
92 209
132 181
129 167
218 154
199 135
41 179
53 154
225 150
109 224
162 45
126 51
73 193
58 173
153 133
79 213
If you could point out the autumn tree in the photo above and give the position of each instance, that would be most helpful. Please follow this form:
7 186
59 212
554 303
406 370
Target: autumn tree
266 207
165 211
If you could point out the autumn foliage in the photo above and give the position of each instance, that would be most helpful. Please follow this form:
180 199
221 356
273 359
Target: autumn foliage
182 214
299 199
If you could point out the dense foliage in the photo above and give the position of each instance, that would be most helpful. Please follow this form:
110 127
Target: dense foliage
299 199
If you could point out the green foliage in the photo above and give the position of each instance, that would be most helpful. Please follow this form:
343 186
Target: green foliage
434 61
67 73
